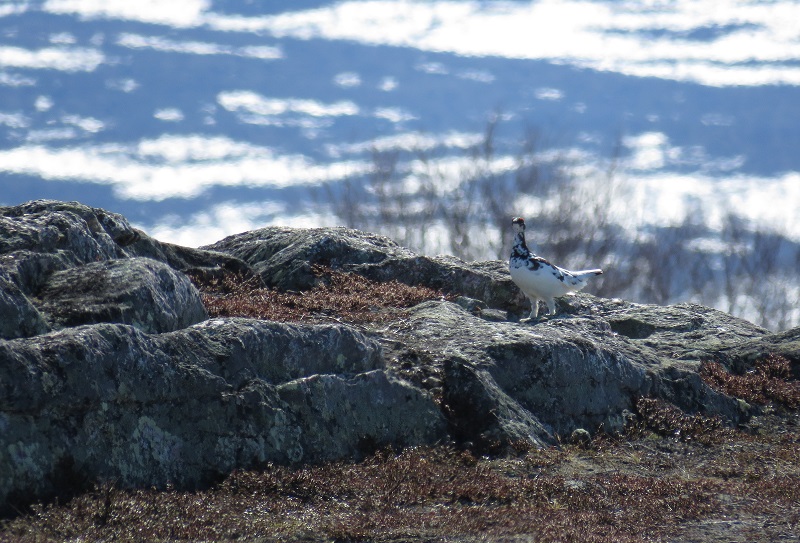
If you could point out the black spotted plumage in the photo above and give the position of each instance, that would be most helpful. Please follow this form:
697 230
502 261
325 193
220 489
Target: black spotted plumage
539 279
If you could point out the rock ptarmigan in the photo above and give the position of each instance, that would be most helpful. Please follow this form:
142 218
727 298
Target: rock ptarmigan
537 278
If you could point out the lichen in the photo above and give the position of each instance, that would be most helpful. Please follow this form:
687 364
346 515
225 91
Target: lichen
150 444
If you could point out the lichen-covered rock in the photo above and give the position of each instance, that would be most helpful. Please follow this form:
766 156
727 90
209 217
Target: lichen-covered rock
481 414
197 262
73 234
77 233
505 380
111 402
18 316
138 291
284 258
741 356
349 417
239 350
65 263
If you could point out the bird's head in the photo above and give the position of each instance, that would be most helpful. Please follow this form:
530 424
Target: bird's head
519 225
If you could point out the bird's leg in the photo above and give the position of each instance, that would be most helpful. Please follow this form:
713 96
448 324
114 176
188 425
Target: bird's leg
551 306
534 310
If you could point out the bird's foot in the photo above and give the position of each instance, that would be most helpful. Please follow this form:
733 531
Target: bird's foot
532 320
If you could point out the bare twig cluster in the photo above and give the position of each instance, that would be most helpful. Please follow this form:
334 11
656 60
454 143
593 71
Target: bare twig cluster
436 203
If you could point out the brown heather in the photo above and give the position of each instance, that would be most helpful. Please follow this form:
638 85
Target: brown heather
664 419
339 296
615 490
768 382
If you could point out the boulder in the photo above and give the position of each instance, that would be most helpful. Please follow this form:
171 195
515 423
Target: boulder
506 381
349 417
18 316
239 350
107 401
483 416
51 252
284 258
75 233
196 262
741 356
138 291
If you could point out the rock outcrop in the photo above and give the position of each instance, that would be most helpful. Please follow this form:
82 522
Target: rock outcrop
284 258
571 372
110 368
111 402
139 291
44 244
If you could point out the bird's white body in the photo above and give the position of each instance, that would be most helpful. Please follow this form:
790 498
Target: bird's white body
538 279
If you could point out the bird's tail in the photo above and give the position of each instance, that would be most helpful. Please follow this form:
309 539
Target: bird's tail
583 274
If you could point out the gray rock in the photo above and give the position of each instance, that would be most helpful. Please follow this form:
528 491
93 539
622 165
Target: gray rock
742 355
570 372
350 417
284 258
239 349
18 316
138 291
75 234
481 414
580 437
73 231
110 402
51 252
197 262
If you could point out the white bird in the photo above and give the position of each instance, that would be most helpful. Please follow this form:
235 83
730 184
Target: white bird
537 278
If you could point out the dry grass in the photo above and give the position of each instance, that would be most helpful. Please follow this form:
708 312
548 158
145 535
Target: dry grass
342 296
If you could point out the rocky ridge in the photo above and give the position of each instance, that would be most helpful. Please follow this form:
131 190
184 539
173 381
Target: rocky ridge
111 369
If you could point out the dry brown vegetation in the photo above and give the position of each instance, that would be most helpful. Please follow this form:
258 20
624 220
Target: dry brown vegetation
341 296
769 381
665 419
650 488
